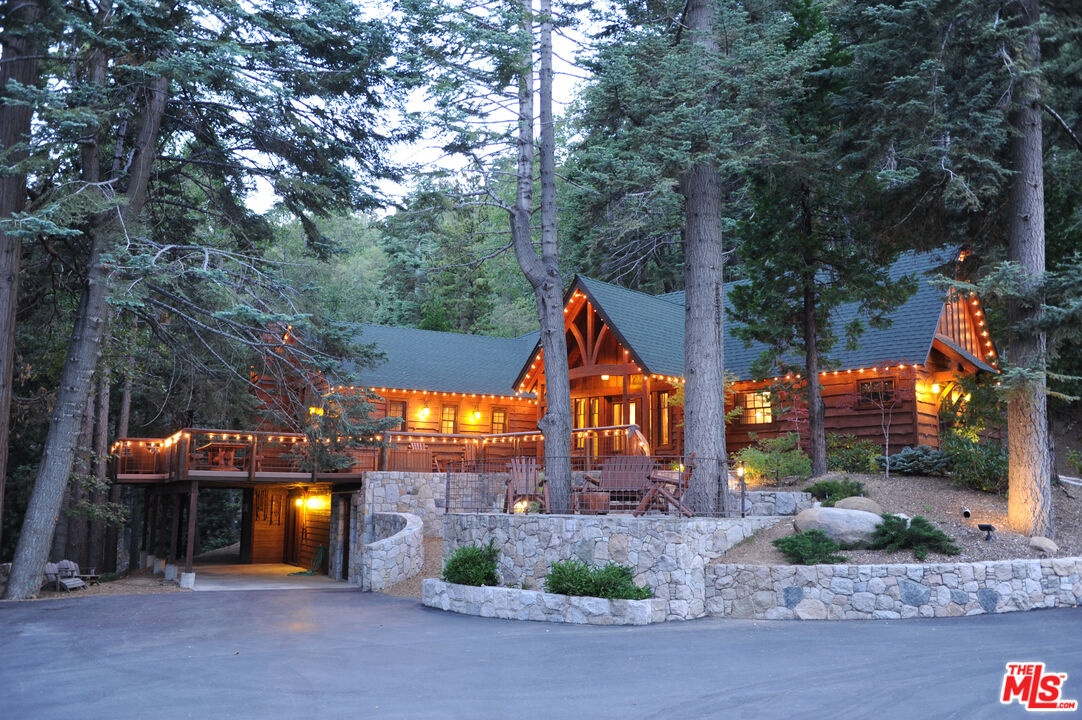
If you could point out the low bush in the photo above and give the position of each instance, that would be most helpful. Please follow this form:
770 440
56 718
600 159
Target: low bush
921 460
774 459
848 454
810 548
977 465
895 533
612 582
1075 458
472 565
831 491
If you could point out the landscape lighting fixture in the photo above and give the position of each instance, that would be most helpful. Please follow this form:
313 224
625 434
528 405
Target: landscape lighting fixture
985 527
966 512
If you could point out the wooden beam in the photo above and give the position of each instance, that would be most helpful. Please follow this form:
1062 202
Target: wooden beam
174 529
193 505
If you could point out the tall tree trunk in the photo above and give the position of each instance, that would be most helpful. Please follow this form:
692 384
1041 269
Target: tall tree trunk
82 359
78 524
99 536
543 272
19 63
1029 502
817 439
704 345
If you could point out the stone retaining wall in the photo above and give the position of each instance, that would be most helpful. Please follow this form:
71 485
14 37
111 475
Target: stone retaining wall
393 550
670 554
516 604
774 502
419 493
865 592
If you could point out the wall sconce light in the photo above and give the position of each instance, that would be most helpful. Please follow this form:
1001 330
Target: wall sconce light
935 388
477 413
604 378
298 502
425 411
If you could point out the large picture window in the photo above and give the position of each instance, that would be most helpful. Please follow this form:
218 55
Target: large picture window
876 392
757 408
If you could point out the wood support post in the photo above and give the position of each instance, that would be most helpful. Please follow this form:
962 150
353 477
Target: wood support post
146 521
193 503
174 529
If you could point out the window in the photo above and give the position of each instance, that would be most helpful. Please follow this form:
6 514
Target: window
663 414
499 421
876 392
757 409
449 419
579 420
397 408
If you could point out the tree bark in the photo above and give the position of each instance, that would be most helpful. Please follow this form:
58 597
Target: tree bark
1029 503
543 272
100 535
704 347
817 439
19 63
83 354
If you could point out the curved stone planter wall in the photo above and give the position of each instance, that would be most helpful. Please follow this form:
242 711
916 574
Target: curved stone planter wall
669 554
394 550
516 604
865 592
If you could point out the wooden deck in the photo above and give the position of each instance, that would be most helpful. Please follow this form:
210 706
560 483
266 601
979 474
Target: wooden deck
233 458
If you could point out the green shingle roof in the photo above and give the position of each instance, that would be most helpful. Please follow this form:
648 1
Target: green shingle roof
655 333
442 361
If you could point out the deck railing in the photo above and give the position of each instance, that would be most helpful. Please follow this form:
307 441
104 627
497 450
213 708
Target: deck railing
264 455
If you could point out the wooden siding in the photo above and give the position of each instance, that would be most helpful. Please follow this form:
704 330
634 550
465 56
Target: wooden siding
269 508
521 414
962 320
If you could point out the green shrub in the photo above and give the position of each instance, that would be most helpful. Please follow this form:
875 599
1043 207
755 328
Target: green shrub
979 466
848 454
809 548
612 582
1075 458
472 565
775 458
831 491
921 460
894 533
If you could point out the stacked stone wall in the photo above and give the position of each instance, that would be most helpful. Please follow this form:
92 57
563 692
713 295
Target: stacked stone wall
393 550
669 554
867 592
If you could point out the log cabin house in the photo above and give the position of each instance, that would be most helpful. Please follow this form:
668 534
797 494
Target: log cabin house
466 397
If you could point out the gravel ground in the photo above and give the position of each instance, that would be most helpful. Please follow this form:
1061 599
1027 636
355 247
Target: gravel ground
433 568
143 582
941 503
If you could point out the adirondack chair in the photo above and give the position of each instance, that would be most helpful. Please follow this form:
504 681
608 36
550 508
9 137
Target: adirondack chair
70 568
666 491
625 478
60 581
524 483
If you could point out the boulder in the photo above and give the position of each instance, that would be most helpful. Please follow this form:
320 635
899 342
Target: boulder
859 503
1045 545
846 527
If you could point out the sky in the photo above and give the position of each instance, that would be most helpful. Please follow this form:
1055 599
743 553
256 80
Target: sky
426 153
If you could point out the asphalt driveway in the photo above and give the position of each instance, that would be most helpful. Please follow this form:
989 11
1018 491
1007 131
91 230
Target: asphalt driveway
334 654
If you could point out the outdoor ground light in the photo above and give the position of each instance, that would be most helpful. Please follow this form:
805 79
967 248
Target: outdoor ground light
985 527
966 512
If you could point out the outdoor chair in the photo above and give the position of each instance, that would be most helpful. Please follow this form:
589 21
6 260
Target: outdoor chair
524 484
626 479
667 490
60 580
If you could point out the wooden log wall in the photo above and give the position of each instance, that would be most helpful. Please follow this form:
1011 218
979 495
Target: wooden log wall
521 415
